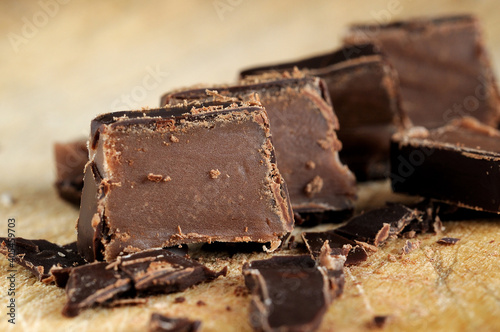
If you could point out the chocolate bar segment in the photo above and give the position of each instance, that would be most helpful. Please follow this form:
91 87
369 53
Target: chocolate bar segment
291 293
364 91
179 175
161 323
303 127
443 67
457 164
39 256
376 226
70 159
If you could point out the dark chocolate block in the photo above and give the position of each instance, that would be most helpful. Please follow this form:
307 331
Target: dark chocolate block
39 256
364 90
339 245
303 127
120 282
376 226
291 293
458 164
161 323
70 161
178 175
443 68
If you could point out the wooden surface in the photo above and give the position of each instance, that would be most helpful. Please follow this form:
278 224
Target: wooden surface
83 60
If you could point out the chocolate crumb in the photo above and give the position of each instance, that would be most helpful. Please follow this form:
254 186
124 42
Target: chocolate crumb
310 164
228 308
378 322
409 247
200 303
448 240
314 187
155 177
180 299
214 173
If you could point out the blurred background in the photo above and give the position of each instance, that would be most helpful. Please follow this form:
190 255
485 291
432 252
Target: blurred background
65 61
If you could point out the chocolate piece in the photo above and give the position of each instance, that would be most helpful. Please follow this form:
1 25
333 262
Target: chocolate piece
340 245
409 247
160 271
70 158
117 283
443 67
39 256
364 90
160 323
303 127
448 240
148 183
291 293
94 284
379 321
376 226
458 164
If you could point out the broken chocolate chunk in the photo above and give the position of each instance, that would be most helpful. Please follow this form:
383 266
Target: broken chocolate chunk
123 211
93 284
364 90
409 247
457 164
282 285
339 245
448 240
70 158
161 323
443 67
39 256
120 282
160 271
303 127
376 226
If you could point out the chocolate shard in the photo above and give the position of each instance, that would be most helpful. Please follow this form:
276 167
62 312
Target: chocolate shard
161 323
280 287
95 284
160 271
448 240
70 160
303 126
457 164
364 90
376 226
122 281
142 189
39 256
409 247
443 67
339 245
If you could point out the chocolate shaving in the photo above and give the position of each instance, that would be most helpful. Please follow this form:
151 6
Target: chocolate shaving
448 240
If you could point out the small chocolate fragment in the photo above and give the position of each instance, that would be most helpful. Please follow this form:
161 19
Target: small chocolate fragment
303 127
364 90
161 323
448 240
443 67
93 284
409 247
379 321
39 256
124 212
457 164
117 283
340 245
160 271
291 293
70 158
376 226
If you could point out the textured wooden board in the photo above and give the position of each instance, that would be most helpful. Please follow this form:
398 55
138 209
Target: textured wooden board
84 58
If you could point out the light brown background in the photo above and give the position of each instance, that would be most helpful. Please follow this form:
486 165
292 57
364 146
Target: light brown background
81 61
